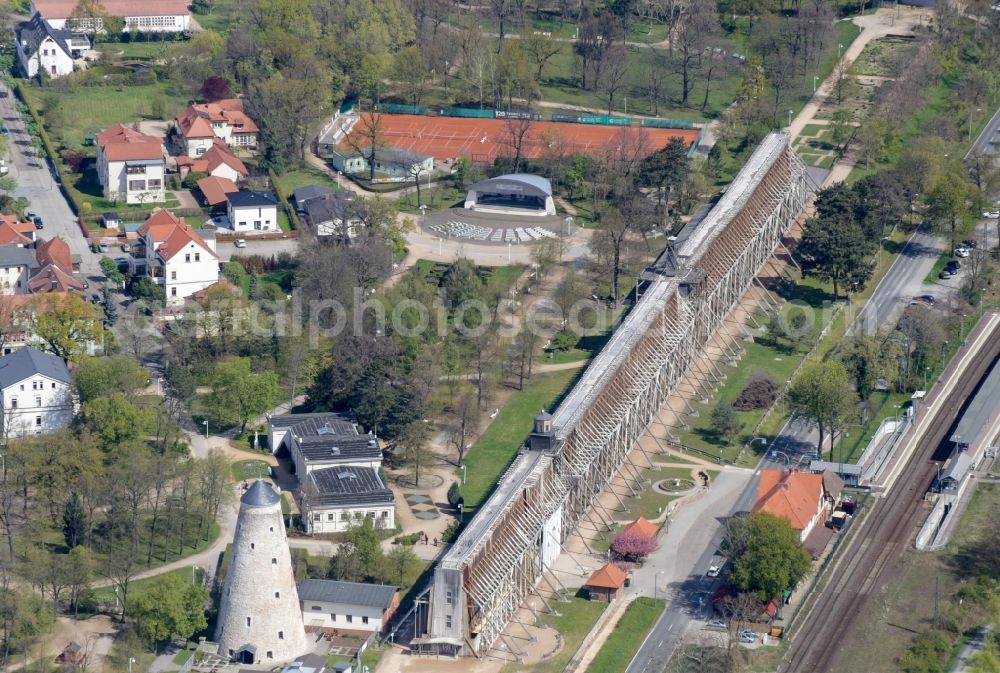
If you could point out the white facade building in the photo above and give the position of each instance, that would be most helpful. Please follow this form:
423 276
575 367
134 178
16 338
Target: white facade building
316 441
39 45
146 16
130 166
252 212
334 499
36 393
175 256
330 604
260 621
17 264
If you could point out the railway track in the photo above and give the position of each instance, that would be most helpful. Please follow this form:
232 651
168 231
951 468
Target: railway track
886 532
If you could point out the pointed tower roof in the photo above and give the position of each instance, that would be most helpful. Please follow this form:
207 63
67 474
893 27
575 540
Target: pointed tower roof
260 494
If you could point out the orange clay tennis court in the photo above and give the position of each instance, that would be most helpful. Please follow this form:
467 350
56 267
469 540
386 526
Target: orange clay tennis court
486 139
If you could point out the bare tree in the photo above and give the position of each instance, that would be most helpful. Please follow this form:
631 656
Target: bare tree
540 50
614 78
514 136
366 139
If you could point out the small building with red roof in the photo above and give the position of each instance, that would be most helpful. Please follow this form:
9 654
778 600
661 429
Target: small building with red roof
174 255
606 583
219 161
215 191
801 498
200 124
641 526
130 165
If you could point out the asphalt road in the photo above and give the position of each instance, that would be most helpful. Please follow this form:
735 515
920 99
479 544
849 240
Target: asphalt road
35 183
989 138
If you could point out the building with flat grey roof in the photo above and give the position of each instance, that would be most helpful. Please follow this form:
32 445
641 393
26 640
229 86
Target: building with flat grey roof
333 499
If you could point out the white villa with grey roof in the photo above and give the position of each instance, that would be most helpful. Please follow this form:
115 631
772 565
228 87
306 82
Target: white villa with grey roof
338 470
36 393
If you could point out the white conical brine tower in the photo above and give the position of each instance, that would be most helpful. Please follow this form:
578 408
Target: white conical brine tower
259 617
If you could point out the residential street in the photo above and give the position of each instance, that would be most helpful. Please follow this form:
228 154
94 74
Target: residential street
35 183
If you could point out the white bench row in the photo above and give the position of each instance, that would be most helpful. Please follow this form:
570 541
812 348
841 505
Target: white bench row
476 232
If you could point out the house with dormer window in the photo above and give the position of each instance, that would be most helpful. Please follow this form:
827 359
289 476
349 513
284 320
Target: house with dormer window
175 256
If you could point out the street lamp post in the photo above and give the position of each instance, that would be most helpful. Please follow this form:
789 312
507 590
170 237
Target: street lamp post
193 570
926 370
789 117
978 109
131 660
815 82
463 473
461 513
840 48
656 583
508 253
206 428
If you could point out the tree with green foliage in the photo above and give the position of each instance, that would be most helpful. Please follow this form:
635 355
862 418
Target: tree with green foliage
360 554
239 394
461 283
64 324
170 607
665 170
115 420
822 396
773 559
725 421
148 290
836 249
234 272
74 521
99 377
110 270
399 566
951 204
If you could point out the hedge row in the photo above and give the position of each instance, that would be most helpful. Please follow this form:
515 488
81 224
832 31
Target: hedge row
53 157
293 217
131 215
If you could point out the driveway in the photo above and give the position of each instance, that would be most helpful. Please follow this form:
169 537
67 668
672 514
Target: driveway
35 183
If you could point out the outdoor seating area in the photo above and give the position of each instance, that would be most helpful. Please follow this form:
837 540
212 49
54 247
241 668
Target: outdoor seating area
458 229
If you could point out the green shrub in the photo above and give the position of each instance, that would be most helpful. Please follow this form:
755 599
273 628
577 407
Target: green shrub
454 494
410 540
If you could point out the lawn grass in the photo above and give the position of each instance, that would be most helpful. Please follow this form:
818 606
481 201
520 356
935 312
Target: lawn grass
85 110
250 469
650 503
618 650
497 446
303 175
135 50
106 594
444 195
812 130
573 623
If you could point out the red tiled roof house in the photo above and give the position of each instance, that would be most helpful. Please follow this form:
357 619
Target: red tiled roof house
202 123
800 498
175 256
130 165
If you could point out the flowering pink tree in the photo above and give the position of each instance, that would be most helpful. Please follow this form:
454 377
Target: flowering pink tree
632 546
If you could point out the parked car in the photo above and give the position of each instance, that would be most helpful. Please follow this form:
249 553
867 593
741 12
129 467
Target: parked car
716 624
715 566
4 130
240 243
954 264
961 252
969 243
747 636
989 214
3 93
946 274
38 222
31 215
924 299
